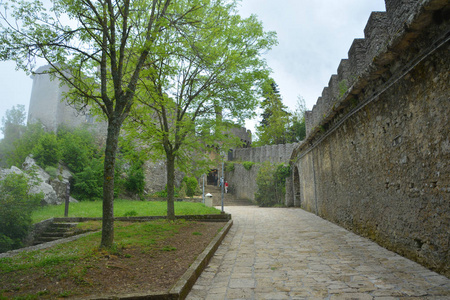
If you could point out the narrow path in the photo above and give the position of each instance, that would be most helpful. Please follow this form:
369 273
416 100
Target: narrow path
278 253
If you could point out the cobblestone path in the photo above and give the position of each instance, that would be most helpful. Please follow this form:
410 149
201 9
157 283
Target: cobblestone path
279 253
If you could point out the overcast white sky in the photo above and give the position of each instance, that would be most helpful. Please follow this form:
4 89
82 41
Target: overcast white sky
313 36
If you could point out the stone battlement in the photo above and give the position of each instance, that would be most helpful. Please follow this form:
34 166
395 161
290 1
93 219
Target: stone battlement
386 35
272 153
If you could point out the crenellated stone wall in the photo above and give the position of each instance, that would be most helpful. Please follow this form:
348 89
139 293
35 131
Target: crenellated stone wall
272 153
375 158
243 180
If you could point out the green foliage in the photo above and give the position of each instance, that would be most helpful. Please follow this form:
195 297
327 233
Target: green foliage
191 186
229 166
297 129
182 193
16 207
47 152
16 153
52 171
130 213
343 87
281 173
77 147
218 71
13 126
13 117
275 118
88 183
248 165
163 193
271 180
135 181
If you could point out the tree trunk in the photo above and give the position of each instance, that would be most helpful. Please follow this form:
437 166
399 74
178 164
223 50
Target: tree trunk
112 141
170 186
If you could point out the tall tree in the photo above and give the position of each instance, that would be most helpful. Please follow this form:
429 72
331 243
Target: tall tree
296 131
13 125
275 118
206 76
98 49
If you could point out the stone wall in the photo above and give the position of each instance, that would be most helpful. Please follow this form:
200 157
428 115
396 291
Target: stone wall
375 159
272 153
47 105
244 181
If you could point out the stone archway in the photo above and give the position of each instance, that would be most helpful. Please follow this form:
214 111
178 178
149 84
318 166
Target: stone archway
296 187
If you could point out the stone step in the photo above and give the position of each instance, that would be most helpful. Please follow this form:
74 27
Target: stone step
56 231
58 234
63 225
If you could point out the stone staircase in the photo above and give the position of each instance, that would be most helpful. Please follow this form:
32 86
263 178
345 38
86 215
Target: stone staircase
228 199
56 231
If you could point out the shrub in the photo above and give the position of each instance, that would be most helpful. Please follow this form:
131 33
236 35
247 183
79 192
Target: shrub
191 186
182 192
229 167
135 181
271 181
248 165
52 171
47 152
163 193
88 184
77 146
130 213
22 147
16 206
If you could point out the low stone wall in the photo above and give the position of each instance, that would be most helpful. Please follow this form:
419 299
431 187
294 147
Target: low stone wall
37 230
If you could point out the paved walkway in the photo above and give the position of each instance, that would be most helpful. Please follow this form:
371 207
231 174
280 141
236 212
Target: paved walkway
278 253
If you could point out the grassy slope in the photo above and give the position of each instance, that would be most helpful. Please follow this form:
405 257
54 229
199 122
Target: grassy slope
122 208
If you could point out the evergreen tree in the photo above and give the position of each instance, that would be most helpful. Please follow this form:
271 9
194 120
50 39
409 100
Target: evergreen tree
297 131
275 118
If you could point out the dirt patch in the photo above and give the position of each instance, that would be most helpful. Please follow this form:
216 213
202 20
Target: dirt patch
133 269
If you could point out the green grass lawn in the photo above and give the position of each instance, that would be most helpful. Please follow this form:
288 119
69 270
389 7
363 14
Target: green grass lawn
122 208
71 268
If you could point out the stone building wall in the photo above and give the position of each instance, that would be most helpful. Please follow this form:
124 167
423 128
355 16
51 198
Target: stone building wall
375 159
47 105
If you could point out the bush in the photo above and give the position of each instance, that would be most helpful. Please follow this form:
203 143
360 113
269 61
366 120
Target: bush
88 184
47 152
16 206
229 167
135 181
248 165
77 147
271 181
22 147
191 186
182 192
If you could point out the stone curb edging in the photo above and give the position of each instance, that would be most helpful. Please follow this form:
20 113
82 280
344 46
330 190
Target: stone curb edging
184 285
202 218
